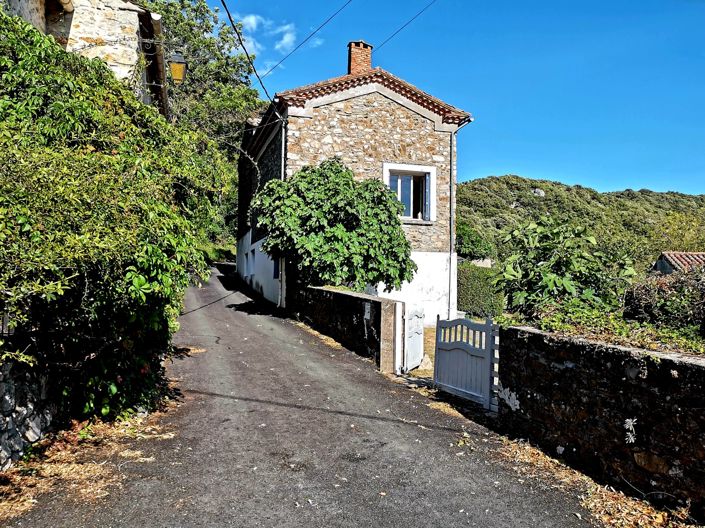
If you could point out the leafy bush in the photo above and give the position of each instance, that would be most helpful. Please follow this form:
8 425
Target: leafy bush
335 230
556 262
477 294
102 207
471 244
575 318
676 300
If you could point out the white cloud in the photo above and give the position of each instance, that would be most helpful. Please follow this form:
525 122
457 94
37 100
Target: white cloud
252 22
253 45
316 42
288 37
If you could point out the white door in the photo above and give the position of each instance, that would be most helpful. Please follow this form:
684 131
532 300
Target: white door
413 339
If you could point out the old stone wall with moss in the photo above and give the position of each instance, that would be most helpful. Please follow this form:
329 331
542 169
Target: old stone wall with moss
367 131
629 415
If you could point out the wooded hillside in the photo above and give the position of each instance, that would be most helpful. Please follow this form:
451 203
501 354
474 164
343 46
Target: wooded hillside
641 223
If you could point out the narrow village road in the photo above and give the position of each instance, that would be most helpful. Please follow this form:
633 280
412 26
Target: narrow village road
278 429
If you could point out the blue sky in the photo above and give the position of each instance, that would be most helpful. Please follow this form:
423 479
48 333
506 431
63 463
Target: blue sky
605 94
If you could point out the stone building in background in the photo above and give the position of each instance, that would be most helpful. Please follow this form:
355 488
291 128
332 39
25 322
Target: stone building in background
126 37
380 127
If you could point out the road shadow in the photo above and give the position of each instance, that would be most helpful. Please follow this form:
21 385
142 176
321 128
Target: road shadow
339 412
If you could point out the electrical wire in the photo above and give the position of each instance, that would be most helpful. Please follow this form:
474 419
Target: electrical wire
390 37
249 59
304 41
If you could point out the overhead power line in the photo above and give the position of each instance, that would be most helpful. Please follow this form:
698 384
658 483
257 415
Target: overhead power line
249 59
304 41
390 37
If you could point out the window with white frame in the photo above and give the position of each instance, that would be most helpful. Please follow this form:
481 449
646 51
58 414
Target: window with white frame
415 187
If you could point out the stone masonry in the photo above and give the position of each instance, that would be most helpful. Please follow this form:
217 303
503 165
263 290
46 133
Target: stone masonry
107 29
632 416
365 132
25 414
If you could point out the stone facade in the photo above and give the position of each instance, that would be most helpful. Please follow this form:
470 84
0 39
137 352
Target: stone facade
622 413
107 29
367 131
25 411
382 128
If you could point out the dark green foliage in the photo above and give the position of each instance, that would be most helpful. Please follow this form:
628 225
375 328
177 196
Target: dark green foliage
676 300
477 294
641 224
216 98
336 230
471 244
556 262
103 205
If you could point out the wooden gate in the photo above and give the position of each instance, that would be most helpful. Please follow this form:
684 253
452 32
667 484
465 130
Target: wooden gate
466 360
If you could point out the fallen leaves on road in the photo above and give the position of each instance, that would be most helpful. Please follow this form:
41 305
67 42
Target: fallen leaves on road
83 460
609 507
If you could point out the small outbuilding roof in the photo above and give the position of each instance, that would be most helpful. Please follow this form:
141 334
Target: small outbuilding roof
683 260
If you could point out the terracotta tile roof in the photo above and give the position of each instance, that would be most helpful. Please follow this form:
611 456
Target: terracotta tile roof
299 96
682 260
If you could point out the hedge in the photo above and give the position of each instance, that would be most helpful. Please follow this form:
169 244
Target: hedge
476 291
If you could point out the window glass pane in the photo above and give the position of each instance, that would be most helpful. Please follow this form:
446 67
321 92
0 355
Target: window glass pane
394 184
406 194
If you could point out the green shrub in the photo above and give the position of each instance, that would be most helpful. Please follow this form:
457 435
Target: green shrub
103 206
334 229
676 300
553 263
477 294
471 244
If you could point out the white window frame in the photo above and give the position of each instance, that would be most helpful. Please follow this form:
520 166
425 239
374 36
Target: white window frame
389 168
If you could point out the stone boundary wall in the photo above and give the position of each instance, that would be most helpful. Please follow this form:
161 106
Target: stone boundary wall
626 414
362 323
25 411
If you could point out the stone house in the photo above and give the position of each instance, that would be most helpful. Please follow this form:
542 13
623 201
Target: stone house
118 32
381 127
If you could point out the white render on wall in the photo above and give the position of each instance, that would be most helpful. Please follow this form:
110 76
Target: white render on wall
429 287
257 268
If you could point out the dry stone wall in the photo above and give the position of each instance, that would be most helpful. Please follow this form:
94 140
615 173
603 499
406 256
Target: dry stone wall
626 414
25 411
367 131
362 323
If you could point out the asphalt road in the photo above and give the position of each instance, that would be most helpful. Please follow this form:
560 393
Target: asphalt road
278 429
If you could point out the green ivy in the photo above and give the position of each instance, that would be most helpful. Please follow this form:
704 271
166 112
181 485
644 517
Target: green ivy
103 206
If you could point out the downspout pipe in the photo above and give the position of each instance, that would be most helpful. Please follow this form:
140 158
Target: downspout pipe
451 223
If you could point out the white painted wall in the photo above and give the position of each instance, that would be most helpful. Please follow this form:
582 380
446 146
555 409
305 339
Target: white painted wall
257 268
429 287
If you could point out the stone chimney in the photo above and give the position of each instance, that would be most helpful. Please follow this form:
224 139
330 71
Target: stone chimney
359 57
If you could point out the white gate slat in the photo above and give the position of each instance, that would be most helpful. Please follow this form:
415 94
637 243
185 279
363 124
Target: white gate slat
466 360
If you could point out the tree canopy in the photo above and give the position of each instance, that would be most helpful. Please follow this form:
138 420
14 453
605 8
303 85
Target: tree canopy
639 224
217 97
334 229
